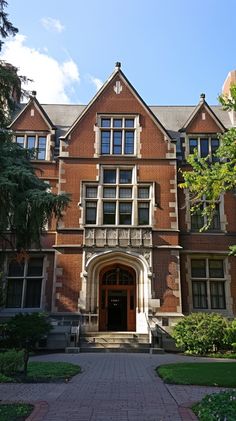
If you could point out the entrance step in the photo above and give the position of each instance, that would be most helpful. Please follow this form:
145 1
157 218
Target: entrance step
115 342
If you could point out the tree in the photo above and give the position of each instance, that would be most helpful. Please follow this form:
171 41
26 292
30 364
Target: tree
26 203
23 331
212 179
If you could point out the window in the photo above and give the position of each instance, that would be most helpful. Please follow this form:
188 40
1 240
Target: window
208 283
117 135
117 200
37 142
205 146
24 283
198 220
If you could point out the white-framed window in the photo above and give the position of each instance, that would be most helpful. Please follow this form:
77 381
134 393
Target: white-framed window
118 134
38 142
208 280
205 145
117 199
24 283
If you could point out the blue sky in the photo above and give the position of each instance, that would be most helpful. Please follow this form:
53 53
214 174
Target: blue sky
170 50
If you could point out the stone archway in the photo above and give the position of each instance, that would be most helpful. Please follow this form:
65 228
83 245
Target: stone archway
136 262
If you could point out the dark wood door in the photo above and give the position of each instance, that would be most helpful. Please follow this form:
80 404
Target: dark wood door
117 300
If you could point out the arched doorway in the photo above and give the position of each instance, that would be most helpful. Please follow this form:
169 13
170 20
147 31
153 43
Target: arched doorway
117 299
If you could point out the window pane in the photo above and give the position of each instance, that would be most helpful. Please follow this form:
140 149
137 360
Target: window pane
125 212
129 142
192 145
198 268
197 220
35 267
15 269
215 224
41 147
217 295
91 191
216 269
105 142
109 192
20 140
14 293
109 176
125 192
215 143
106 122
31 142
129 122
117 122
204 147
125 176
33 293
143 192
143 213
91 212
117 142
109 212
199 294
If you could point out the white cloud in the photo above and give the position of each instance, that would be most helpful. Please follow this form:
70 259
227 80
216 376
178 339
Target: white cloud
51 79
97 82
52 24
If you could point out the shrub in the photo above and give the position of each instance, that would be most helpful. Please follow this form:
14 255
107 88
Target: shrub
217 407
230 335
11 362
200 333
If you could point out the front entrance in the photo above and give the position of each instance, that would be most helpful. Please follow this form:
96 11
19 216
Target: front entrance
117 308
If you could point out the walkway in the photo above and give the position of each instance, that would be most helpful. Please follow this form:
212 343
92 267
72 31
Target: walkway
112 386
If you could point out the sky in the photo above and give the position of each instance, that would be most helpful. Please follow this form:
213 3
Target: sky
170 50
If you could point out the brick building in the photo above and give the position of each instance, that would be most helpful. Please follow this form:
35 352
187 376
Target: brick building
127 249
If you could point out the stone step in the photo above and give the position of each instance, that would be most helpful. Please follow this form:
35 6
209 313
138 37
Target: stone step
123 349
115 334
99 339
113 345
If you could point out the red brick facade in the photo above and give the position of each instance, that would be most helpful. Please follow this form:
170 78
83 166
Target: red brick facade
162 251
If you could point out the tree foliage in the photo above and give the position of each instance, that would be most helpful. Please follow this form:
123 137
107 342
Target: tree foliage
26 202
212 179
23 331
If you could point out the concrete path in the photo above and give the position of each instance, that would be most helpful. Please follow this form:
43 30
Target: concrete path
112 386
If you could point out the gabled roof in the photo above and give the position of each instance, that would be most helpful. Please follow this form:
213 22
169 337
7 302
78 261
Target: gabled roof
119 72
33 101
202 103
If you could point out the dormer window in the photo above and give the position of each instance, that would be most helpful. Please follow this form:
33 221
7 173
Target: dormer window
117 135
36 142
205 145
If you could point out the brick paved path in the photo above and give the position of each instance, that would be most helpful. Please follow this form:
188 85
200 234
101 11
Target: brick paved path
119 387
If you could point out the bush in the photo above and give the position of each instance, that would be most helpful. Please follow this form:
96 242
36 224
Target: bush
216 407
200 333
230 335
11 362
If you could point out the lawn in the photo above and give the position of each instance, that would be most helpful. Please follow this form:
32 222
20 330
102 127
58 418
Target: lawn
203 374
15 411
45 372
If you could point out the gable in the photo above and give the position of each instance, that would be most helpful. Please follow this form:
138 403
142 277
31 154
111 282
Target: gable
31 118
117 98
204 121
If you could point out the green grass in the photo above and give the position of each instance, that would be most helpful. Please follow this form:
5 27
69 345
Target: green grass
203 374
45 372
217 407
15 411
